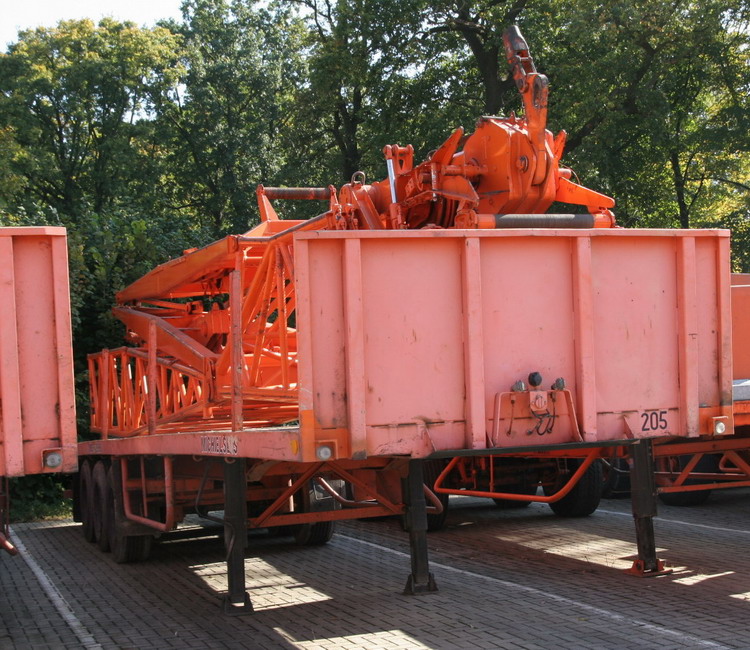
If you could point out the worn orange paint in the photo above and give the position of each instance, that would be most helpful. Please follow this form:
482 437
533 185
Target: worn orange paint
37 414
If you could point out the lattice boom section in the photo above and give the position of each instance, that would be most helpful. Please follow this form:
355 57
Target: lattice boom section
122 403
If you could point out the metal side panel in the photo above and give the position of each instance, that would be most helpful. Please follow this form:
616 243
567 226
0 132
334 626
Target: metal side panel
411 340
38 427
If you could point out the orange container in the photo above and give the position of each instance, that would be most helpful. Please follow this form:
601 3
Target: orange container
410 341
741 325
37 399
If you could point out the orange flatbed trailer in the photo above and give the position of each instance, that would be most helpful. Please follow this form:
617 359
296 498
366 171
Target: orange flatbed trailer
433 333
430 334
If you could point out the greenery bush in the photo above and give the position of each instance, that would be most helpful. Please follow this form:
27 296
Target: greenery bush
38 497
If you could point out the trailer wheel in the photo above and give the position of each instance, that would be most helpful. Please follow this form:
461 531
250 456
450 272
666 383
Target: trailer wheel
86 497
103 504
431 469
584 498
518 488
312 498
315 534
685 499
615 478
125 548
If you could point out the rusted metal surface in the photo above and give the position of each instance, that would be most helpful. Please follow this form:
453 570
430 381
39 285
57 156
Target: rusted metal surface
296 193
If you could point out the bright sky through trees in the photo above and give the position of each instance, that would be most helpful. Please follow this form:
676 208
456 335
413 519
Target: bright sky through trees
27 14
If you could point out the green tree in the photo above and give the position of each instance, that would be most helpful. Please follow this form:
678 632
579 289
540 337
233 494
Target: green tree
366 85
76 130
70 97
654 95
223 125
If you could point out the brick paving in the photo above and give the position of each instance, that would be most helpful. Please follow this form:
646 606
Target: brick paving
508 579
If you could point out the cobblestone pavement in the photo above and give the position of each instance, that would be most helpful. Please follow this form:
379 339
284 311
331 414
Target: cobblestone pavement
520 578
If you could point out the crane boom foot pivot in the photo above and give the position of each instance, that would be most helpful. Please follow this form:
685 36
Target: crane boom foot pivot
420 580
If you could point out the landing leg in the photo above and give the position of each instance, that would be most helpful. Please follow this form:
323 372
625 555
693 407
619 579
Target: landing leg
643 496
420 580
235 532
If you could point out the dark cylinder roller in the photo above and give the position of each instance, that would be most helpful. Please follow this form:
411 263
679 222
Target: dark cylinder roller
320 193
544 220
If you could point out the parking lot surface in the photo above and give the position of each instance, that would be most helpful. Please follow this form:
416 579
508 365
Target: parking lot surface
517 578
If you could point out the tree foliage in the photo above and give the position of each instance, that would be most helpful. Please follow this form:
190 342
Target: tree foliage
224 125
71 97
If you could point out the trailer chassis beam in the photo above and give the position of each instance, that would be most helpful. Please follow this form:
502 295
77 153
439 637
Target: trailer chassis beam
588 460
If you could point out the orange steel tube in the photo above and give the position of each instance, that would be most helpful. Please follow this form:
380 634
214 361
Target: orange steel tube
282 318
729 483
590 458
347 476
290 519
296 485
435 509
235 338
7 545
152 377
168 523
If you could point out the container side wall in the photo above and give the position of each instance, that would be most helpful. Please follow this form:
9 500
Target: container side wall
37 374
637 316
413 352
709 322
327 333
528 317
741 329
632 320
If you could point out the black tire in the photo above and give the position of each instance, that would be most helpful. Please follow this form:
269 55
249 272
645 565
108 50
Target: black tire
685 499
86 498
103 509
584 498
131 548
518 488
709 463
615 478
315 534
309 500
125 548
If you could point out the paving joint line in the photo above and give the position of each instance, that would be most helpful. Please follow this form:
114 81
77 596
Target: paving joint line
85 637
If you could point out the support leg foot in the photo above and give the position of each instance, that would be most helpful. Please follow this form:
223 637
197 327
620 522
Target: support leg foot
237 609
